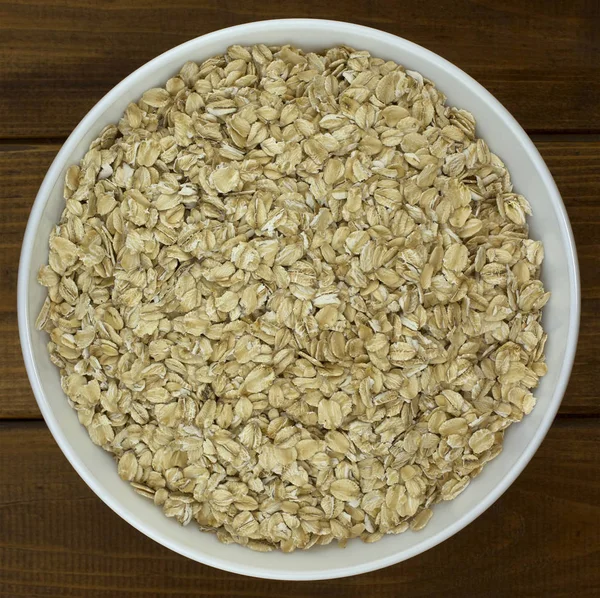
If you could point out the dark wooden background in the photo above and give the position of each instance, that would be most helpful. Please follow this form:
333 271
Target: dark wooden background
540 58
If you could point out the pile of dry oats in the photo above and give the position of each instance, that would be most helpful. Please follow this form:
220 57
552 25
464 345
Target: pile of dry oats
294 295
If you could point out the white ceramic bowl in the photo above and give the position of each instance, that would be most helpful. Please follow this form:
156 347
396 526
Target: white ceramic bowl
561 316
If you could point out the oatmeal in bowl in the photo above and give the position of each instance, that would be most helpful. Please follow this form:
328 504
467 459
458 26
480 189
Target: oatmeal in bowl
294 294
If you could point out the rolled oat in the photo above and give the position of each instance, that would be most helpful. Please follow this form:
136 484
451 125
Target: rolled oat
294 295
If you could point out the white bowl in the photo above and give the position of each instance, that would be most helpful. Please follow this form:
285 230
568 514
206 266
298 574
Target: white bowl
561 316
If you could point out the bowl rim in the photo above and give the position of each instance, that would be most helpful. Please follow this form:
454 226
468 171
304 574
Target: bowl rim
25 326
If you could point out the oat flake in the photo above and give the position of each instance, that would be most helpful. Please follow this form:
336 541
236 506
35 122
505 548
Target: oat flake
294 295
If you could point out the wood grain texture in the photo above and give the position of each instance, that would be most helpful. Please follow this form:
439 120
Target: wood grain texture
22 168
541 538
575 165
58 58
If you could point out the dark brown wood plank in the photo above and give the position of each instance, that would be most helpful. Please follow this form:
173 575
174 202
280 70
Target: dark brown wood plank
540 58
22 168
576 168
541 538
576 171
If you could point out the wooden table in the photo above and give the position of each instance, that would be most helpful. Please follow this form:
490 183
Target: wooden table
540 58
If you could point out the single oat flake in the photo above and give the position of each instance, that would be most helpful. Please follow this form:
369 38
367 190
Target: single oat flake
294 295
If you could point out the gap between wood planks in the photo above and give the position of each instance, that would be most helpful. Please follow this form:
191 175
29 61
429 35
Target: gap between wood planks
562 417
591 135
587 421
